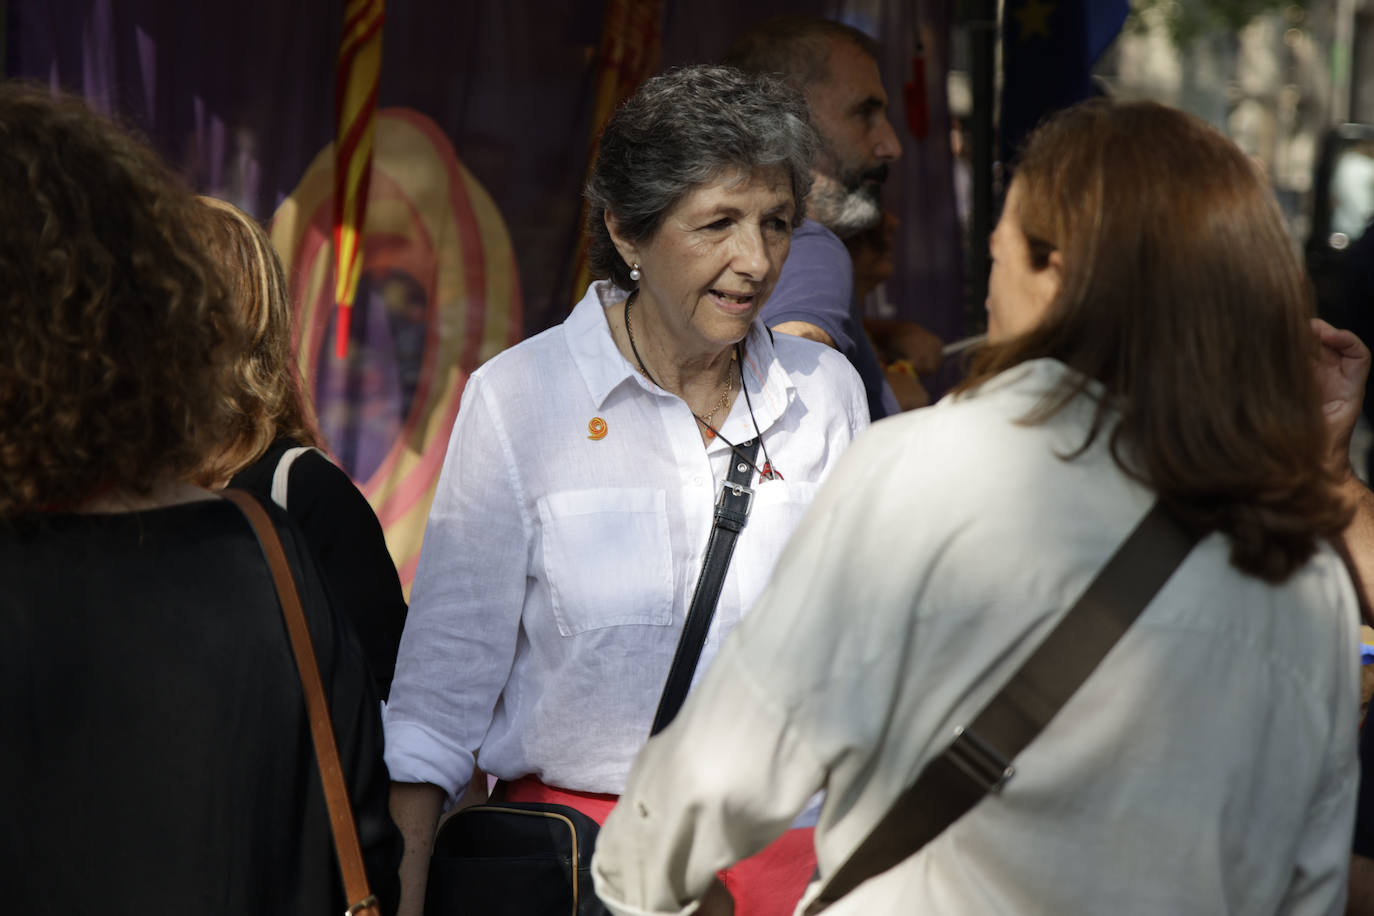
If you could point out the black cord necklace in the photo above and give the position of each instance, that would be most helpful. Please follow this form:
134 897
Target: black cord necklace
767 472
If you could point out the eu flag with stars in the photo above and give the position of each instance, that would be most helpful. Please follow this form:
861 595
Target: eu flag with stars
1049 48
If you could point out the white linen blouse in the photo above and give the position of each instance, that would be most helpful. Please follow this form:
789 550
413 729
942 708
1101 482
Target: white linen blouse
565 540
1207 766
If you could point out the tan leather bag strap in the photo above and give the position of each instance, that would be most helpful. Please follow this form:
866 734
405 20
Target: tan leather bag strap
317 707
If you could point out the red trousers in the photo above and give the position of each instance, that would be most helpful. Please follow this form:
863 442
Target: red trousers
766 884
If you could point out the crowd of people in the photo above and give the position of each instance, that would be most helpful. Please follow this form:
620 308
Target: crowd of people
1151 354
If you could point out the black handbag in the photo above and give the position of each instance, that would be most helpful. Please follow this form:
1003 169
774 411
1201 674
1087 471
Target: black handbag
534 858
514 857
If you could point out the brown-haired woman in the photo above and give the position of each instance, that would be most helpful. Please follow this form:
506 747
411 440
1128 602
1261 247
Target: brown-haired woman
154 746
1148 340
270 448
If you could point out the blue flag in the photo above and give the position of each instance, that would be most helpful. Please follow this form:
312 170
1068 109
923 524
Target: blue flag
1049 48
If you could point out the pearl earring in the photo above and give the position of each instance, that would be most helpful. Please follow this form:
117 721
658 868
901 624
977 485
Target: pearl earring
634 272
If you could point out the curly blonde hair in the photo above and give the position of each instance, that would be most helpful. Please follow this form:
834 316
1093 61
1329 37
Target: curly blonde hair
113 319
264 399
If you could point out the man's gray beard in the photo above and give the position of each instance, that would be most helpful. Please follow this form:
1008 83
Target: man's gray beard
845 213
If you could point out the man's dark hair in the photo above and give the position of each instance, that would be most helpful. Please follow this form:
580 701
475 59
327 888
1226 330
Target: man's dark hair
794 48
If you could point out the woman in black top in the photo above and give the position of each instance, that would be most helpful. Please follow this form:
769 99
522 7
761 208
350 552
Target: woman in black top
154 746
271 420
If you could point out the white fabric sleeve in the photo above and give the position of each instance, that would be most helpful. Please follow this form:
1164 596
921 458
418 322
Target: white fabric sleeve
460 634
1321 859
701 796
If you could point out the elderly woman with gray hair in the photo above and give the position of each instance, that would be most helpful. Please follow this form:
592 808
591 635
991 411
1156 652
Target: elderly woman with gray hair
580 485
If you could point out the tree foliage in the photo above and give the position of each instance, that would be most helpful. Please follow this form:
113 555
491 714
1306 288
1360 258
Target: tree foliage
1189 20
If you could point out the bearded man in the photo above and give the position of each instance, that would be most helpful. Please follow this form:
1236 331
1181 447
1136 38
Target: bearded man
836 67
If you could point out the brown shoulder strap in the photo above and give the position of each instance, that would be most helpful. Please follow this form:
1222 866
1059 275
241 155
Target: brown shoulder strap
321 726
980 759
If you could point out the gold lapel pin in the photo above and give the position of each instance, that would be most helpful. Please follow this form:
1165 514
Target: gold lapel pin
596 429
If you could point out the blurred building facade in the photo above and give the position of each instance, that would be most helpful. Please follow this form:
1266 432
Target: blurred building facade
1275 86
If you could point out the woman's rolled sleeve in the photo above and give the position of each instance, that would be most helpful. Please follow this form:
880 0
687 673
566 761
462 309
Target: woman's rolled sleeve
416 754
460 636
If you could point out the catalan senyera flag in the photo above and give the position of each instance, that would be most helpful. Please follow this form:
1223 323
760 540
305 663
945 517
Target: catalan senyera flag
355 102
631 39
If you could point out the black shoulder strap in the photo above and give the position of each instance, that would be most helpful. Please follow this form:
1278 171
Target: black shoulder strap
980 759
732 511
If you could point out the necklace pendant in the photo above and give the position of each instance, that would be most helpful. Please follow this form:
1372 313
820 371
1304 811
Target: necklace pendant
710 433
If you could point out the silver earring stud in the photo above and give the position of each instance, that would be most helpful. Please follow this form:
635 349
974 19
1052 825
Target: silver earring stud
634 272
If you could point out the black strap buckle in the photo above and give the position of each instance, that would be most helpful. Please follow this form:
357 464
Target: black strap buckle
979 761
730 495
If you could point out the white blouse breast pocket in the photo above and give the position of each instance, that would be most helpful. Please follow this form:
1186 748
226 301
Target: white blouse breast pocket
607 558
777 511
780 505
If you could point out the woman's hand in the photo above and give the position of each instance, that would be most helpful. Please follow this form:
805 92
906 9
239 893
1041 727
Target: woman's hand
907 388
415 809
716 901
896 340
1341 369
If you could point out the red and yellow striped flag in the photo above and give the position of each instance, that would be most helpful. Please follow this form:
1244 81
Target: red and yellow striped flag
355 101
631 39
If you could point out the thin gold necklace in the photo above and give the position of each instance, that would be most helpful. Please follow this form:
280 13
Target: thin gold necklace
767 472
703 420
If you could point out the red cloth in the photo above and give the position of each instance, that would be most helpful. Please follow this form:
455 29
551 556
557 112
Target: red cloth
768 883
